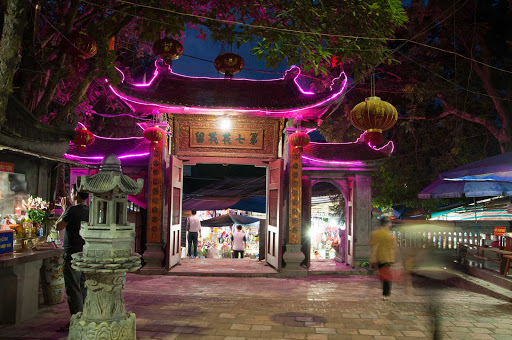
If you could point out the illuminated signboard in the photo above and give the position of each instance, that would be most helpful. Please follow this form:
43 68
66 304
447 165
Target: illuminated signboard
499 231
217 138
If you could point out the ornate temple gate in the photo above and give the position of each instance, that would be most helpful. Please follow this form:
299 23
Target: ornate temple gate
258 109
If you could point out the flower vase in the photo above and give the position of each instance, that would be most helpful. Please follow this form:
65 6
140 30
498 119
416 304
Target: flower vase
52 280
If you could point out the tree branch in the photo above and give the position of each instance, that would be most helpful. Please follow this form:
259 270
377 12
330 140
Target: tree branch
58 73
483 73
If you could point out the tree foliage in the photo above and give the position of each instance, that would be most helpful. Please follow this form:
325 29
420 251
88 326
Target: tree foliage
452 110
291 31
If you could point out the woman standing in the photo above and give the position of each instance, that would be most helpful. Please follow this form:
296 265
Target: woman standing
381 242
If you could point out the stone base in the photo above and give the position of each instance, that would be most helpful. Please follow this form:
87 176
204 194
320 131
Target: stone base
90 330
154 258
19 292
293 257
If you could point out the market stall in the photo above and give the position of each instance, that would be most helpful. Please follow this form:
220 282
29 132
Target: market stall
25 223
216 235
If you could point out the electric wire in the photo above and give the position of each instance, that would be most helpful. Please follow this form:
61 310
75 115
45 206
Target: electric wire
311 33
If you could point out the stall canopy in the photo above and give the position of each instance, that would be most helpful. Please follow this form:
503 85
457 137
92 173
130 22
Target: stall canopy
487 177
228 220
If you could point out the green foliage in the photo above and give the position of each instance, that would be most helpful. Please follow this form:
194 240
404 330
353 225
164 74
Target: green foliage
38 216
451 111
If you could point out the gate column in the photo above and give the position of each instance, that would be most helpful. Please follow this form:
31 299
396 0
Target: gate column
154 254
362 218
293 256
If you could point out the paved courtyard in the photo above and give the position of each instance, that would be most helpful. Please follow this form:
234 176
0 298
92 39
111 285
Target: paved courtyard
317 307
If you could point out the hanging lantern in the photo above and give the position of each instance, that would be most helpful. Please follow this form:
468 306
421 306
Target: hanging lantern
299 140
83 138
154 134
229 64
168 49
374 116
79 46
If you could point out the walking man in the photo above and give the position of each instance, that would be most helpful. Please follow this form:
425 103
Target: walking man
239 242
194 231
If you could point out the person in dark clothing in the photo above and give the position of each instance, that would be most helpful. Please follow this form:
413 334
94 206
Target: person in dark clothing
71 219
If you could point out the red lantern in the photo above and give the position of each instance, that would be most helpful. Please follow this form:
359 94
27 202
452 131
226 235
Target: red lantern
374 116
229 64
83 138
154 134
168 49
299 140
79 46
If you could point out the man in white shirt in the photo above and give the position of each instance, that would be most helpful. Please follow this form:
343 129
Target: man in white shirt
239 242
194 230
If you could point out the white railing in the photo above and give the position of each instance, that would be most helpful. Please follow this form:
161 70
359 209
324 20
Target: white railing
435 239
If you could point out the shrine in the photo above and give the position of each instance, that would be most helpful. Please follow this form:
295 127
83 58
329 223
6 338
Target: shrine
260 129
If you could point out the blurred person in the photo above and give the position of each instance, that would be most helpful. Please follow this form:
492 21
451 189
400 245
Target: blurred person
71 219
343 241
382 254
194 232
239 242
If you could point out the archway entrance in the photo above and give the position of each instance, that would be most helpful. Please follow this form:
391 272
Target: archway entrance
224 196
213 189
328 225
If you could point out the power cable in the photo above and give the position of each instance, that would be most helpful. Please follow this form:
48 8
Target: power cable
453 83
310 33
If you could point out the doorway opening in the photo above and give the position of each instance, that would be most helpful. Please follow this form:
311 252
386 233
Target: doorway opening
225 196
328 224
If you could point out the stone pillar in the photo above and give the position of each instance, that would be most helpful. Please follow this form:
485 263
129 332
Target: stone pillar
362 218
293 257
154 255
306 221
18 294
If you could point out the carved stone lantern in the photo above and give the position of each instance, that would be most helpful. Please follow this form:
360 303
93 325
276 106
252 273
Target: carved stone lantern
107 255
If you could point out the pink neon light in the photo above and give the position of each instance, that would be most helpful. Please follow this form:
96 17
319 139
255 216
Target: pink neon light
223 110
349 163
67 155
155 74
361 139
110 138
118 70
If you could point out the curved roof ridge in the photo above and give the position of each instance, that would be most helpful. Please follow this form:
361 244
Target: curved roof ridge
283 97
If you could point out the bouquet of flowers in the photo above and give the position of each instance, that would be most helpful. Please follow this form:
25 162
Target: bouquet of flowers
37 210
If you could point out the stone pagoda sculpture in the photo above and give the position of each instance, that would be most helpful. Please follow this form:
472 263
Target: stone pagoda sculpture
107 255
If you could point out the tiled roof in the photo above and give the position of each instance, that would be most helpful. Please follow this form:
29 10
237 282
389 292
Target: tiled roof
105 181
122 148
268 97
332 153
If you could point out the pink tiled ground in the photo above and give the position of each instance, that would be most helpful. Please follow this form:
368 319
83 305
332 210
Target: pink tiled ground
316 307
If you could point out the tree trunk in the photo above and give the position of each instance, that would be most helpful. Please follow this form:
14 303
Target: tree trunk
12 35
